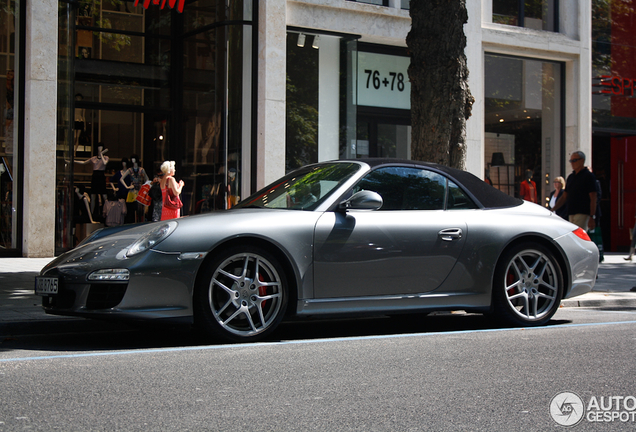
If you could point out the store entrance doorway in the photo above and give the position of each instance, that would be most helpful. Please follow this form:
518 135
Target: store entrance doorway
613 156
384 135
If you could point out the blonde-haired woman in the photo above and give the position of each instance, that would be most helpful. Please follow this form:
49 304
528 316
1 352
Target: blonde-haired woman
168 182
559 187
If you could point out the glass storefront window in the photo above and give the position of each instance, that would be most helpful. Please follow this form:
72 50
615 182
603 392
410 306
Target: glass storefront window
112 94
614 117
121 44
327 75
613 62
533 14
158 85
379 138
523 123
115 47
118 131
302 101
202 13
404 4
383 97
320 100
218 124
65 137
9 162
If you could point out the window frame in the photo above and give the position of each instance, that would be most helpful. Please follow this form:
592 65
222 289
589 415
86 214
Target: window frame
521 16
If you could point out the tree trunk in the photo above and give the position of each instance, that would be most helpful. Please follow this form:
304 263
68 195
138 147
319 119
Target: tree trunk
440 99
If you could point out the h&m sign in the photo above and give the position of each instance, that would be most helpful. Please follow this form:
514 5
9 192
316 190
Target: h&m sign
171 3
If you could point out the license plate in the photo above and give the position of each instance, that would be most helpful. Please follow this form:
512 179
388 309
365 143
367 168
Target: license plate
46 285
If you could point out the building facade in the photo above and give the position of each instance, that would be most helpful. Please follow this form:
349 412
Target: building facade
238 92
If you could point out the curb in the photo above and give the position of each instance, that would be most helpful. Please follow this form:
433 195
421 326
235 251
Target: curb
602 299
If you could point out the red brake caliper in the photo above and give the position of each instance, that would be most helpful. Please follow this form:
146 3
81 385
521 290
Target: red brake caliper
262 290
510 278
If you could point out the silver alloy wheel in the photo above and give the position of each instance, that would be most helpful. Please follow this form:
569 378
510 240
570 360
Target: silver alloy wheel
531 285
245 294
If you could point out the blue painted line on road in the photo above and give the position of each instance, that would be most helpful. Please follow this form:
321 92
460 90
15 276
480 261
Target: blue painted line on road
300 342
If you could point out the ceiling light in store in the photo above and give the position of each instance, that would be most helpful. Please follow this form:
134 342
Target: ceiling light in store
316 43
301 40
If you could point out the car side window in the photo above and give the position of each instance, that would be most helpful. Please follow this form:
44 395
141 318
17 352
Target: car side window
404 188
457 199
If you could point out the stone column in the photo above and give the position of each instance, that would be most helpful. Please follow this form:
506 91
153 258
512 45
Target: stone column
272 56
475 135
576 23
40 77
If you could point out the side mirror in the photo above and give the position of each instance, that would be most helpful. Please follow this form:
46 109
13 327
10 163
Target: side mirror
363 200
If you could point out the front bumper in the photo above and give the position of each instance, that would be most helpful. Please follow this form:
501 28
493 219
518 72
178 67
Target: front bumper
160 286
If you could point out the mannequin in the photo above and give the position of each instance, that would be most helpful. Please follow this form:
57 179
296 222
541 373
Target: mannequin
233 197
98 179
528 189
139 177
118 181
83 210
114 211
82 214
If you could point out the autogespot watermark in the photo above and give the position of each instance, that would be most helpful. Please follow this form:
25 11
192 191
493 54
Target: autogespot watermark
569 409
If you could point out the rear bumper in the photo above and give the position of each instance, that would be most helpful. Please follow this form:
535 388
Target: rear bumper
583 260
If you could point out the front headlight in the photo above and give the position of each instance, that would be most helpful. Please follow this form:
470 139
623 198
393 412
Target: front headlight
152 238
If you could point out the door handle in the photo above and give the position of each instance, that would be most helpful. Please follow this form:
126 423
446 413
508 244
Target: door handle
450 234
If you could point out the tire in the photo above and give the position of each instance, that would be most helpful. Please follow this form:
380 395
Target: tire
528 285
241 296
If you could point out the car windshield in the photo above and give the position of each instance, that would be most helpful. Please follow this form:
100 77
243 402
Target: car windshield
303 189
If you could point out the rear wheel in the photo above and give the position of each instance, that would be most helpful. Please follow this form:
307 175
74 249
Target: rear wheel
242 295
528 285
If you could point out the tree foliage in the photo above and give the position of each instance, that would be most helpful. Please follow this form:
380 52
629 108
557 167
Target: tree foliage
441 101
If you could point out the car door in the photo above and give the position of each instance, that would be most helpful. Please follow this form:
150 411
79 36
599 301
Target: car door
409 246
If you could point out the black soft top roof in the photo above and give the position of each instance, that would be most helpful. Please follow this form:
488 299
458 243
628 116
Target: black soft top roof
488 196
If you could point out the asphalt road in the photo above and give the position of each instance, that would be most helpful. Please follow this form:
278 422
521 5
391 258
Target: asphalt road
445 372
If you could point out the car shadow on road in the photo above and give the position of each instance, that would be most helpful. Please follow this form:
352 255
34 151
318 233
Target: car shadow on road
393 325
83 335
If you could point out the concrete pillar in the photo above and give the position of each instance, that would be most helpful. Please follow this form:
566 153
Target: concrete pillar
40 78
475 60
578 78
272 55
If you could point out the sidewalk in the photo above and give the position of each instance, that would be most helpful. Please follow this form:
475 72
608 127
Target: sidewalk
19 304
616 277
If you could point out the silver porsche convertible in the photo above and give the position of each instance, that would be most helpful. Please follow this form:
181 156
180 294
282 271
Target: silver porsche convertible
348 237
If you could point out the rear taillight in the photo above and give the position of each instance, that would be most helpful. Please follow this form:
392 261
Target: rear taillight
580 233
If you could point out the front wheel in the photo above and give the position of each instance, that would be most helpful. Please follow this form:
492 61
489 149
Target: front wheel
528 285
242 295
